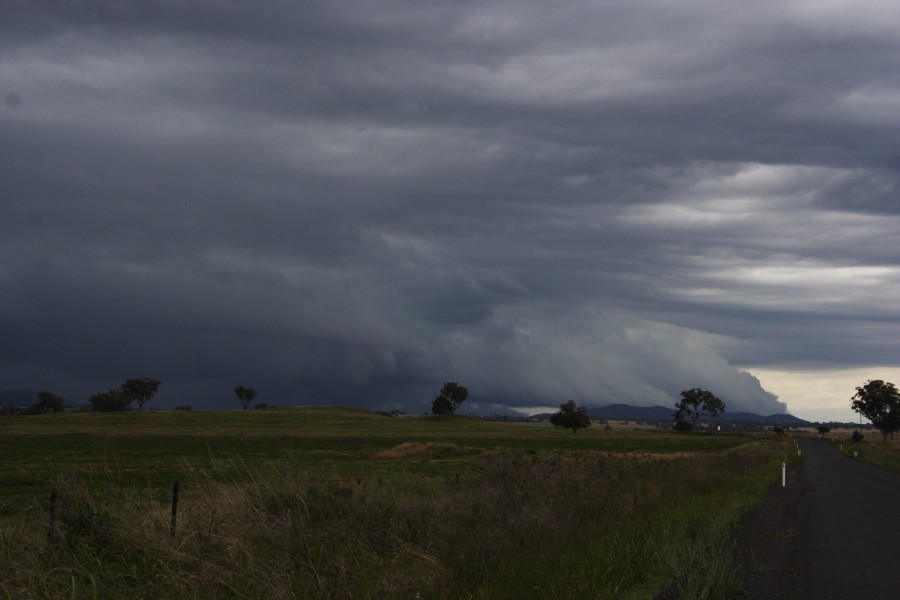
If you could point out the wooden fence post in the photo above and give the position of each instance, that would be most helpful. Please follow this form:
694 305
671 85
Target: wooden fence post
51 534
174 507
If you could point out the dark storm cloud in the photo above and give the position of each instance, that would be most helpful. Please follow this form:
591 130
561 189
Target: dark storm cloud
353 202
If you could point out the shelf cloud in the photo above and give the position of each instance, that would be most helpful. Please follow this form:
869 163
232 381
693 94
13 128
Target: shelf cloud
344 203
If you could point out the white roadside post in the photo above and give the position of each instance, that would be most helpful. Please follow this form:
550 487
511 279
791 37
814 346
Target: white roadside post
783 472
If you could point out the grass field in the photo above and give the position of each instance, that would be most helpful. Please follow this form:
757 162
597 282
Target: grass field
873 449
341 503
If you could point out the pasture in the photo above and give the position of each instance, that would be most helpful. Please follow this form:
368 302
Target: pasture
341 503
873 449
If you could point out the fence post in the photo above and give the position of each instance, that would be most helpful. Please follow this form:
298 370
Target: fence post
51 534
174 507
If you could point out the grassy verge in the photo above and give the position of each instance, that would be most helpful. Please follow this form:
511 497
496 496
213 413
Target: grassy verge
373 508
876 453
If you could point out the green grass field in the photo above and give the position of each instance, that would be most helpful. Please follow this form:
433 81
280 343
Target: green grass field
333 503
159 447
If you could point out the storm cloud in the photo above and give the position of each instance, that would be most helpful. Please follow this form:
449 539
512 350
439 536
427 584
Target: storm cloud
351 203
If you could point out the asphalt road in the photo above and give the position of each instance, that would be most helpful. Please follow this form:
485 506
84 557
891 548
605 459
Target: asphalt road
831 533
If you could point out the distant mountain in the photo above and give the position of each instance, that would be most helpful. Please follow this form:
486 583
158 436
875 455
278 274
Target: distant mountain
18 397
633 413
779 419
661 413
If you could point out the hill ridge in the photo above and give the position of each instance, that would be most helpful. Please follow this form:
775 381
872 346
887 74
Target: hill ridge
629 412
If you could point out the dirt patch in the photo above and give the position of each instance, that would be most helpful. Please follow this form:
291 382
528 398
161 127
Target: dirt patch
427 450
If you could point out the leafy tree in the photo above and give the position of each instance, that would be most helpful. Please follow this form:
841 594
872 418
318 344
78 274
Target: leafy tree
823 429
441 406
451 393
879 402
110 401
245 395
140 390
49 403
681 425
695 403
571 417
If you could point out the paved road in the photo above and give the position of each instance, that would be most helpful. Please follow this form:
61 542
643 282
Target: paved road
832 533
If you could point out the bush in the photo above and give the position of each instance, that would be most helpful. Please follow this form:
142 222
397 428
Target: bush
183 407
110 401
856 437
49 402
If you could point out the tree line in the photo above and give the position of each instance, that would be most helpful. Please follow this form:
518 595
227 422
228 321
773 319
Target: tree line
877 400
136 390
695 403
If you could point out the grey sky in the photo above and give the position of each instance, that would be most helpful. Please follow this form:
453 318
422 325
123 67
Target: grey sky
350 203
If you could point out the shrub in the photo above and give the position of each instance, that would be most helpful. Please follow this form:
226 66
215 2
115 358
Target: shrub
110 401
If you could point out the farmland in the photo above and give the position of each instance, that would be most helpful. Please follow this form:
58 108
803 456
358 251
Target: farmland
327 502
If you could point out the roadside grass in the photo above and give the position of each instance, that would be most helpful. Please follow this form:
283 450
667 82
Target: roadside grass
430 509
874 452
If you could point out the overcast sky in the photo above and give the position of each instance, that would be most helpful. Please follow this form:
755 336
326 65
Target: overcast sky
353 202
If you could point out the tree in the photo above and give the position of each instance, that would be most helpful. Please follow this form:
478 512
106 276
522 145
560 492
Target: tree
695 403
571 417
49 403
681 425
245 395
823 429
441 406
140 390
451 393
879 402
110 401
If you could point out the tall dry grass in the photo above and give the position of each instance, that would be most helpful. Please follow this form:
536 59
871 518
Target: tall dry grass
517 525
